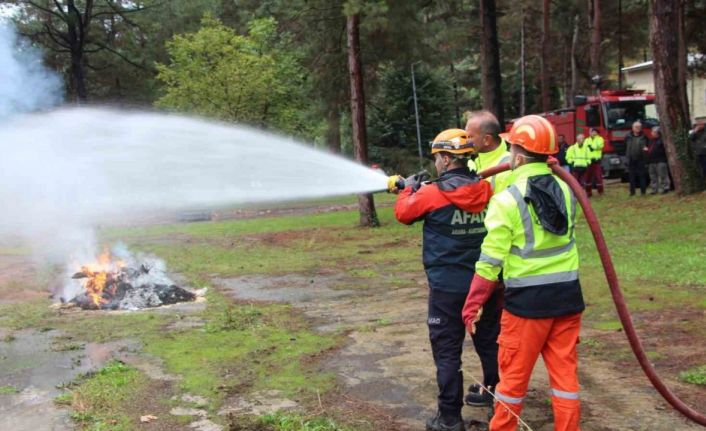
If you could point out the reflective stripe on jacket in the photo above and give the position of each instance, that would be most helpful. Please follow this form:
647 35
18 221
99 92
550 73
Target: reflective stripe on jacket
490 159
595 145
453 209
578 157
540 268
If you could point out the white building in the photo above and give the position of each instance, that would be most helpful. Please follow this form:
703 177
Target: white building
639 76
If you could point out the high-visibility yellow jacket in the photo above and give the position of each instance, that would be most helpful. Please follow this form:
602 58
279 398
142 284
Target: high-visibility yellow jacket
578 156
483 161
595 144
540 268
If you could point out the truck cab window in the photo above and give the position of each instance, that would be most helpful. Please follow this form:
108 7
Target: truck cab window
621 115
593 116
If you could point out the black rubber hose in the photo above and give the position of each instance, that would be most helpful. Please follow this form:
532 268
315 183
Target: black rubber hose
618 299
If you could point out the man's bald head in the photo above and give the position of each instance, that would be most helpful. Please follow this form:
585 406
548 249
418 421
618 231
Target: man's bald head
483 130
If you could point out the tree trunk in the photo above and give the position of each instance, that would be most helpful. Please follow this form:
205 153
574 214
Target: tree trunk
490 61
666 33
543 59
566 72
596 44
574 65
76 38
457 108
333 132
523 62
366 204
78 76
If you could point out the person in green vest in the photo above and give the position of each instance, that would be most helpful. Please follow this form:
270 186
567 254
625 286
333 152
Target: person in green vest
594 171
531 240
483 130
579 157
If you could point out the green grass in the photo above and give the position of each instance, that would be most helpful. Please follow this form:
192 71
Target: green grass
8 389
24 315
98 400
611 325
290 422
656 244
696 375
242 346
233 248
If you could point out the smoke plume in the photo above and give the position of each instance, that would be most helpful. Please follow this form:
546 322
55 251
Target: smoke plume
64 171
25 84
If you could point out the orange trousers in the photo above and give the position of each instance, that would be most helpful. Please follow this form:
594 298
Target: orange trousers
521 341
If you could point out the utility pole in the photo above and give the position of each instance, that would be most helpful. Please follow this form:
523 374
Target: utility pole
522 63
416 118
620 44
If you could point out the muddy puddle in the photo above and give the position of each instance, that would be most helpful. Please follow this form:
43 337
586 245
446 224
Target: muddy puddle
387 360
34 365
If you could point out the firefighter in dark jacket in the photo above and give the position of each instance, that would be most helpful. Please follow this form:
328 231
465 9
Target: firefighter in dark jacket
452 208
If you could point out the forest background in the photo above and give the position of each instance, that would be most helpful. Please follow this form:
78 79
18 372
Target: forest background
283 65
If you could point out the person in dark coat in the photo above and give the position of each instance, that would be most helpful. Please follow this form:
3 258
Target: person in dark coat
698 144
561 155
636 144
657 164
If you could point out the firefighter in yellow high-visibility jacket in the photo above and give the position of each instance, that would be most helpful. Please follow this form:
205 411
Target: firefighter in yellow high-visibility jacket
531 239
483 130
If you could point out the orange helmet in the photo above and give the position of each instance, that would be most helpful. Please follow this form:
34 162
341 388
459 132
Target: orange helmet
533 133
454 141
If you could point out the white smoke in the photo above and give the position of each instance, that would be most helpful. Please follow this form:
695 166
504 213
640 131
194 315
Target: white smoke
25 84
65 171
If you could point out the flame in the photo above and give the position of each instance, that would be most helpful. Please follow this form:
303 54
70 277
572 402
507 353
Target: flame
98 274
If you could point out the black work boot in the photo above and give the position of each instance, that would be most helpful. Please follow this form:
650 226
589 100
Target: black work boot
445 423
478 397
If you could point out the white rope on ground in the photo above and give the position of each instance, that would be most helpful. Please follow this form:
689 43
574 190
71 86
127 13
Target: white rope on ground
523 424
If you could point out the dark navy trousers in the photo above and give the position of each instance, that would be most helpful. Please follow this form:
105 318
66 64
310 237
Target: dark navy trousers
447 333
485 340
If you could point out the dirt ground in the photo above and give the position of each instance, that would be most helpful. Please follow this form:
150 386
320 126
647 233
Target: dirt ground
387 360
385 368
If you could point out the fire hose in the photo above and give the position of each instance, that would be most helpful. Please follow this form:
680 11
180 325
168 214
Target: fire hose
618 298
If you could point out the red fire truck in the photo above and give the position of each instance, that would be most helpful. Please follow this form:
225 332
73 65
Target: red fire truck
612 113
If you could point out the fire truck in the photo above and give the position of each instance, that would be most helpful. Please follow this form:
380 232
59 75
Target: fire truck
612 113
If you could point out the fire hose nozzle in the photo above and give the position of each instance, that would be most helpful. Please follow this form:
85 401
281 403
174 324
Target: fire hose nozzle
396 182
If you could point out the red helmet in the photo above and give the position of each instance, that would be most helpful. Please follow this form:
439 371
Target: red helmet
533 133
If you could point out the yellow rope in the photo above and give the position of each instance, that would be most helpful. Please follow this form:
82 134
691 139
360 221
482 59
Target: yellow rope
519 419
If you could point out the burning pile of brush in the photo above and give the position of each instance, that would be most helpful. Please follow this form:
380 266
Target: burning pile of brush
121 280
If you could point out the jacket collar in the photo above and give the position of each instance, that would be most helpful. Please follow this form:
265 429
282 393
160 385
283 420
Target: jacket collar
530 170
458 171
491 158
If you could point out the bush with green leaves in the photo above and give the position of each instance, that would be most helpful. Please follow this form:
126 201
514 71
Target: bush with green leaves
254 78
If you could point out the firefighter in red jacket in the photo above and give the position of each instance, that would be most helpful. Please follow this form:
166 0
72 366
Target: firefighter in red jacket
531 239
452 208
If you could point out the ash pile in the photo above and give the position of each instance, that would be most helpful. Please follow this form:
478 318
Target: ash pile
119 280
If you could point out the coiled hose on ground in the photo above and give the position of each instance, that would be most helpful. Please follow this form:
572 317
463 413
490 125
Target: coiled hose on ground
618 298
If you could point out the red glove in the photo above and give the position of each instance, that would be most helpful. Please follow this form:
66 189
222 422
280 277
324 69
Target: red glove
480 291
